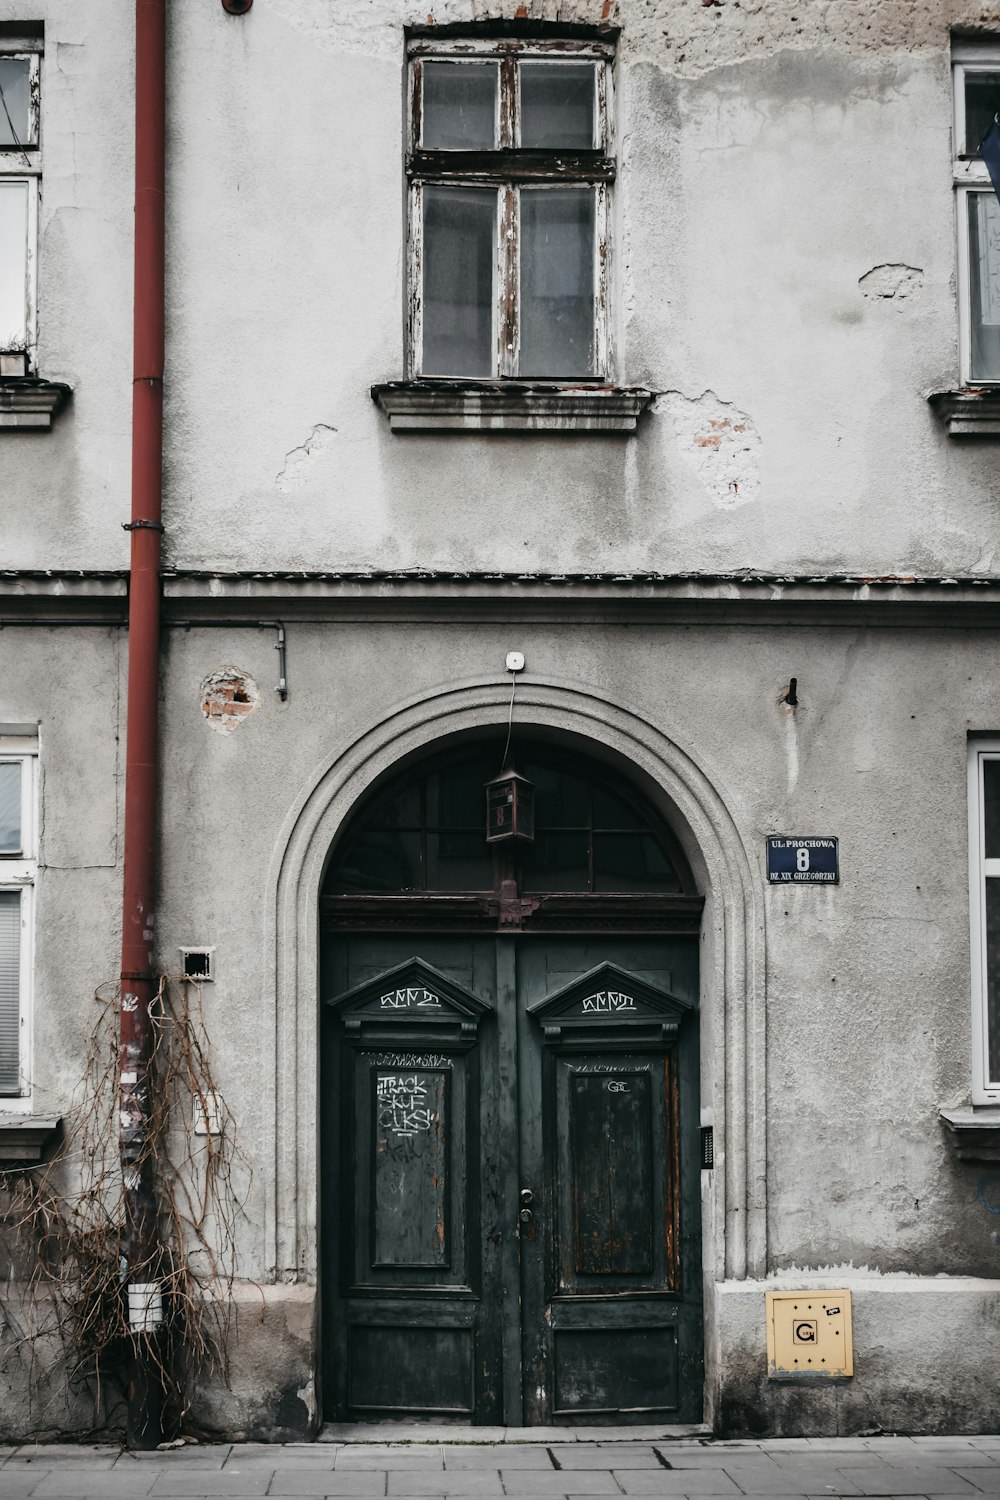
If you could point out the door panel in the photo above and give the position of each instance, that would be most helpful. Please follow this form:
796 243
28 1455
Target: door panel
612 1136
444 1098
407 1220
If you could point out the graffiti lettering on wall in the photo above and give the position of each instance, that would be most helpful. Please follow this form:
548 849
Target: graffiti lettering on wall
402 1104
412 1060
607 1000
411 998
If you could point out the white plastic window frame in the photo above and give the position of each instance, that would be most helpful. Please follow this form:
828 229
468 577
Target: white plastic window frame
458 49
19 872
24 165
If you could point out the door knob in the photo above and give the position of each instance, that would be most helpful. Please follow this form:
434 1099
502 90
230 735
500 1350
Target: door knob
527 1198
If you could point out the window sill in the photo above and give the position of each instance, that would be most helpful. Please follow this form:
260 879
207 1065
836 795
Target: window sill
514 406
30 403
973 1131
971 412
23 1139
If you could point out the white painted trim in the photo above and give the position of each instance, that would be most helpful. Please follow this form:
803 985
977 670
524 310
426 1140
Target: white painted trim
984 1089
20 873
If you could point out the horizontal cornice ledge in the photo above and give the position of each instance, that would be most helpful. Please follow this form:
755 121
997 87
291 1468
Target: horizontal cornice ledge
31 405
723 598
509 406
972 412
23 1139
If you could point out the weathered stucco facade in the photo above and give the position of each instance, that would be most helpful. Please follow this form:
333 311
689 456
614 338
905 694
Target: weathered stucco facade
783 278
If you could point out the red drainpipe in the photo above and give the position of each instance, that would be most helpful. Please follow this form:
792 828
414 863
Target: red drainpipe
138 981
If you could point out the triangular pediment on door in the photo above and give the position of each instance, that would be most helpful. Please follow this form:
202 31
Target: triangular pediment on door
412 993
609 997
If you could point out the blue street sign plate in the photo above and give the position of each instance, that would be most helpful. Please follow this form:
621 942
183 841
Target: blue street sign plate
804 861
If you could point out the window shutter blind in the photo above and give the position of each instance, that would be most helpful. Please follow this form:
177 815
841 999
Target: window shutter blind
10 991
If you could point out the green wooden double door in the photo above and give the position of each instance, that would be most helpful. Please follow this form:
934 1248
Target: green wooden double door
510 1195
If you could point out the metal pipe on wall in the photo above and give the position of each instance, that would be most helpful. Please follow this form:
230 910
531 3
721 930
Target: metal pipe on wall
138 981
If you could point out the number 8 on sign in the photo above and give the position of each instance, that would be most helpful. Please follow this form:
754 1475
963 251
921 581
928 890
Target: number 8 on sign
802 859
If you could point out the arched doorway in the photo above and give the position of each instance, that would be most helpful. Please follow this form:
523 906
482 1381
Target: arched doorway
510 1201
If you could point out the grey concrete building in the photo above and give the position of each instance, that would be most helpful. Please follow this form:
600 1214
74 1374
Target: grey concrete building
657 341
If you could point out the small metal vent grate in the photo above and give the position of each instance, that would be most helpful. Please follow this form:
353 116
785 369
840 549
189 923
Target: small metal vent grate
198 963
707 1148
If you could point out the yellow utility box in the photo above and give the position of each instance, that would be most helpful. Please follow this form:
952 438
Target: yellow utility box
809 1333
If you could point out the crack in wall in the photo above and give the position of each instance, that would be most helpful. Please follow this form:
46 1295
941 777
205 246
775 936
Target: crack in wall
294 471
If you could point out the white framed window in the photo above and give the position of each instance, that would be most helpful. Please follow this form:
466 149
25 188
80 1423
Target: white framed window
20 174
18 879
510 162
984 907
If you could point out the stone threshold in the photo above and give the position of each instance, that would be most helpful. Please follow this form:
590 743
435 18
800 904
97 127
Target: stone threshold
414 1432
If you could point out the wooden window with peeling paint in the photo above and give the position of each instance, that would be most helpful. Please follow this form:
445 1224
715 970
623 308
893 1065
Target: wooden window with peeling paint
509 163
20 171
976 78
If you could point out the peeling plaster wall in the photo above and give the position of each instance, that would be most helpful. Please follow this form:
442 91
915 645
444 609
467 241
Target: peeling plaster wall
772 157
868 1009
783 267
754 194
65 492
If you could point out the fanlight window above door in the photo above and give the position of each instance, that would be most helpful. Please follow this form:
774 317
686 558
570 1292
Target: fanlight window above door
424 833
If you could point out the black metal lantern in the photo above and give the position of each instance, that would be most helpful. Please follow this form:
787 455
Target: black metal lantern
510 807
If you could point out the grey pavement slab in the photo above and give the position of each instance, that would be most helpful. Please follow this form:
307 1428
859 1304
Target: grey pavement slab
192 1483
67 1481
412 1460
492 1456
909 1479
300 1481
194 1457
456 1482
580 1481
607 1456
21 1482
758 1479
677 1482
63 1453
985 1479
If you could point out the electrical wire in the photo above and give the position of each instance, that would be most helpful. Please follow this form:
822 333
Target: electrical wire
510 720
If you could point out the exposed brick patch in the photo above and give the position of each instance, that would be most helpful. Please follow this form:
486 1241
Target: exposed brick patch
227 696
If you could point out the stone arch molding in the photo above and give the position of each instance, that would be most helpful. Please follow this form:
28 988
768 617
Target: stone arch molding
732 956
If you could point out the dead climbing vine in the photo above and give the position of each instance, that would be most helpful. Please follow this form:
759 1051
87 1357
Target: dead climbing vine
64 1299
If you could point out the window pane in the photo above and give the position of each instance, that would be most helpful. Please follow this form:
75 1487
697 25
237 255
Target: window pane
557 105
460 106
555 862
557 281
15 120
459 862
381 861
984 285
10 807
401 810
612 812
456 798
459 256
13 263
991 808
632 862
10 991
560 799
993 976
982 102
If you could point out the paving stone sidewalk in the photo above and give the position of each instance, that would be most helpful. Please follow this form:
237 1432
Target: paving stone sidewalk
523 1465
